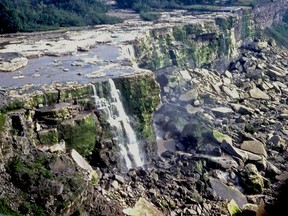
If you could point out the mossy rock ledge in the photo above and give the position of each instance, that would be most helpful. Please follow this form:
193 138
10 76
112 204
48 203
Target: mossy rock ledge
67 113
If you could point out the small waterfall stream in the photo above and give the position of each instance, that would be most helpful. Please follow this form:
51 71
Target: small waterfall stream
124 135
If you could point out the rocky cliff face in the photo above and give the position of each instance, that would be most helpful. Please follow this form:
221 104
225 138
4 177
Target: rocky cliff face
269 14
209 42
66 113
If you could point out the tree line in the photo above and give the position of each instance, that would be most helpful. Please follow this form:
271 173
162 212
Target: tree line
34 15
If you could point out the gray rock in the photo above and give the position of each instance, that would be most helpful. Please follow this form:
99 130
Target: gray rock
119 179
190 95
222 111
255 147
228 74
254 73
253 181
185 74
220 137
274 74
229 193
273 169
244 110
225 162
80 161
231 93
13 64
258 94
233 151
143 207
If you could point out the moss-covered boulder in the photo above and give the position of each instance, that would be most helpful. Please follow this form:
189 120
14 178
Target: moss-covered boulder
49 136
251 179
79 133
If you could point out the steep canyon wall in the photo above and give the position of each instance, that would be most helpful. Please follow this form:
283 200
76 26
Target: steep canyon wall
210 41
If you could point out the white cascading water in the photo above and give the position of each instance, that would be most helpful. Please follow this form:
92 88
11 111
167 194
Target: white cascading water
94 93
125 136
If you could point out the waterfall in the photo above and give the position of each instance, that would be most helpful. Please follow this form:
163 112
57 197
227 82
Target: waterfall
45 99
124 135
94 93
224 48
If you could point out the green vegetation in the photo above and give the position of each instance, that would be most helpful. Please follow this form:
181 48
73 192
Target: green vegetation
149 16
31 172
6 209
2 121
147 6
43 177
80 135
48 136
141 98
31 209
34 15
253 3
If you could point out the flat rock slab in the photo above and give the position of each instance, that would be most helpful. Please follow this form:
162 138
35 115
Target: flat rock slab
13 64
258 94
222 111
229 193
219 137
244 110
255 147
190 95
80 161
231 93
226 162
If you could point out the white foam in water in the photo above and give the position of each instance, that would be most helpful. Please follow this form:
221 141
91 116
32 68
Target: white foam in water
119 121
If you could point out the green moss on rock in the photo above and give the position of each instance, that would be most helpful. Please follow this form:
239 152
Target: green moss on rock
141 98
5 208
27 174
48 136
233 208
48 184
247 29
2 121
15 104
75 92
79 134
